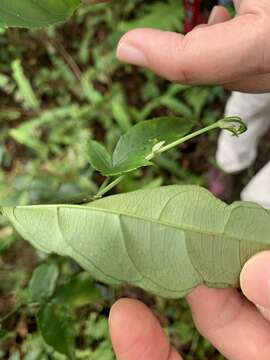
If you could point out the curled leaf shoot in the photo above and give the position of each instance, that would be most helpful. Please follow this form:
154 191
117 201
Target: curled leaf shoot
233 124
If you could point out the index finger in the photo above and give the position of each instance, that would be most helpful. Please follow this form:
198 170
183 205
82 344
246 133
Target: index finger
137 334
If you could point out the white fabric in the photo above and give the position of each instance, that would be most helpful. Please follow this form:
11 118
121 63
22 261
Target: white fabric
258 189
235 154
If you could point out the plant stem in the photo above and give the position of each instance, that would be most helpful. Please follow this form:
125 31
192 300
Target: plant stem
107 188
104 184
182 140
231 123
11 312
225 123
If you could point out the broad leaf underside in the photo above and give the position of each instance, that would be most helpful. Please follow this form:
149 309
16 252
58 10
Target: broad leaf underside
166 240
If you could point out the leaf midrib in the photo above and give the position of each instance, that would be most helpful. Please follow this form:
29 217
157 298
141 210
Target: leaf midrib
152 220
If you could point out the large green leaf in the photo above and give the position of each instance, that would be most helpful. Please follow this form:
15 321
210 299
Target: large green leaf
136 144
166 240
35 13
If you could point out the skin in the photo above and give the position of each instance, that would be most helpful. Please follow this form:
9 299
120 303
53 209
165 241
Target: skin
231 52
235 53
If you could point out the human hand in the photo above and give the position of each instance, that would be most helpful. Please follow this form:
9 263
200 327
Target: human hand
231 52
225 317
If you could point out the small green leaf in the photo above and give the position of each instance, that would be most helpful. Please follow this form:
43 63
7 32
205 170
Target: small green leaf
79 291
35 14
136 144
42 283
98 156
57 328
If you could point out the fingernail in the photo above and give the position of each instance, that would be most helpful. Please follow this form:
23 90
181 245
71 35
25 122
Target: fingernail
255 280
130 54
265 312
213 15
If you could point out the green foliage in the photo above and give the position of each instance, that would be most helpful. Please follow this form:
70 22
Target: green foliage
143 142
78 291
167 240
57 328
54 314
25 90
136 145
42 283
96 330
74 105
160 15
27 13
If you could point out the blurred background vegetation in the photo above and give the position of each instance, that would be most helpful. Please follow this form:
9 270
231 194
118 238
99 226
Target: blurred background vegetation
58 88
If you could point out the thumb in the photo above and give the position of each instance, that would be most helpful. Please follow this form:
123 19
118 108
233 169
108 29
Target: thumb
255 282
215 54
